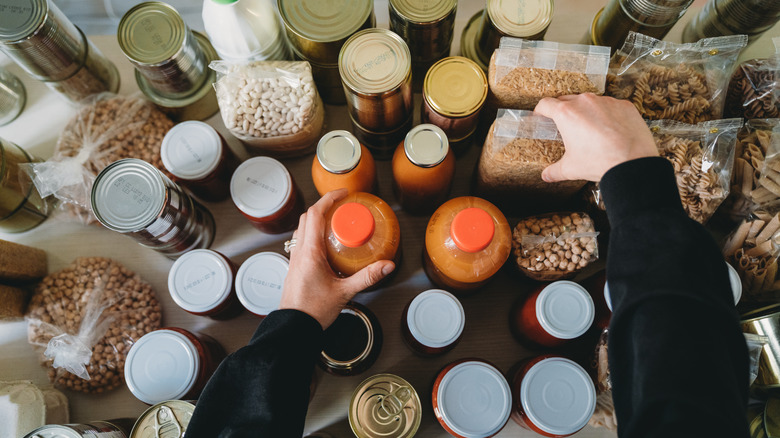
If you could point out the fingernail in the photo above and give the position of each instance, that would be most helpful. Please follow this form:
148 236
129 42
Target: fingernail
387 269
544 177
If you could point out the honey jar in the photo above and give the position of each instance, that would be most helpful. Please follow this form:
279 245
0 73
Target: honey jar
260 280
342 162
432 323
385 405
352 342
201 283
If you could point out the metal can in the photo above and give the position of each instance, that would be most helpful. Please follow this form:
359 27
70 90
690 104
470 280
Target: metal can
119 428
21 206
168 419
766 322
432 323
469 47
13 96
385 405
342 162
260 280
352 342
132 197
381 144
732 17
528 19
202 283
650 17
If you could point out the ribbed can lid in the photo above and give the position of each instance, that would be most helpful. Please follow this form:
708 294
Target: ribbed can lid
191 150
435 318
338 151
423 11
325 21
385 405
151 33
20 18
455 87
520 18
260 280
128 195
260 186
565 309
200 280
426 145
374 61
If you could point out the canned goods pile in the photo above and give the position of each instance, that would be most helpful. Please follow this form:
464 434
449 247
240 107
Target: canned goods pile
732 17
619 18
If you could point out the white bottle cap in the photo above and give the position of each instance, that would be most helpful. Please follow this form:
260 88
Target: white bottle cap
162 365
260 280
558 396
260 186
474 399
565 309
435 318
191 150
200 280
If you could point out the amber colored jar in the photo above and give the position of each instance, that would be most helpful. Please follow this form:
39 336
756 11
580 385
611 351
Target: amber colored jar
552 396
466 242
353 342
432 323
423 169
342 163
361 229
202 283
266 194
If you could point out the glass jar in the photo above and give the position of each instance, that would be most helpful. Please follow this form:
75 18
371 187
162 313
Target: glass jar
171 364
170 415
385 405
342 162
13 96
352 343
201 283
553 314
199 159
552 396
432 323
466 242
423 169
260 280
266 194
132 197
21 206
459 411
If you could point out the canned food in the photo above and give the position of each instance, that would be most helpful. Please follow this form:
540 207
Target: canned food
201 283
526 19
13 96
619 17
260 280
171 364
352 342
342 162
732 17
381 144
426 26
168 419
432 323
131 197
469 40
766 322
21 206
385 405
328 82
119 428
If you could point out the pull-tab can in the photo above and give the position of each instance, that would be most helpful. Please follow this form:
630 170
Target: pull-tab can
385 405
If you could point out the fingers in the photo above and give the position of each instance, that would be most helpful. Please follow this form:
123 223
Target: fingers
553 173
315 225
367 277
299 235
549 107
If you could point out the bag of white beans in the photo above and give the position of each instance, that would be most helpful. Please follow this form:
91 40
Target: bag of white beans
271 106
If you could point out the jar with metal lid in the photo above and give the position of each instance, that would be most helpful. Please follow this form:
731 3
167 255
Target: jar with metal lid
732 17
654 18
342 162
384 406
13 96
199 159
117 428
201 282
260 280
462 414
467 240
552 396
171 61
21 206
266 194
172 416
171 364
432 323
553 314
423 169
43 42
352 342
132 197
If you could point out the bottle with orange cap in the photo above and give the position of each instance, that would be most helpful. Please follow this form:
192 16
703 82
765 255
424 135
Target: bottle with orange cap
361 229
342 162
467 241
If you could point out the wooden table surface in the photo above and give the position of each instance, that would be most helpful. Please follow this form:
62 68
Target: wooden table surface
486 334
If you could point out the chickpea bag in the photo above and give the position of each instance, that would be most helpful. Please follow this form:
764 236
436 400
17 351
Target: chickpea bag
84 319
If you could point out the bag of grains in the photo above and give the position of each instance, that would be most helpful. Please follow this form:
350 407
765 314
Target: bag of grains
106 128
522 72
554 246
84 319
753 250
754 88
604 415
271 106
666 80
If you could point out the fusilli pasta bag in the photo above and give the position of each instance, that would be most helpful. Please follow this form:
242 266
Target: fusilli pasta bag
753 90
752 249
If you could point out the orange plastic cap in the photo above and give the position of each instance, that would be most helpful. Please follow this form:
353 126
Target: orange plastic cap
353 224
472 229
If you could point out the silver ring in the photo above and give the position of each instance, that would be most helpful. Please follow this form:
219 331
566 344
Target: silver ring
288 245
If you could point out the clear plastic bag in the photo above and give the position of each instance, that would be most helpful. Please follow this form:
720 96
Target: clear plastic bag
522 72
666 80
753 90
271 106
752 249
755 344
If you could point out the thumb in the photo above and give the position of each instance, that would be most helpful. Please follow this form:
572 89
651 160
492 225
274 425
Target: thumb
553 172
367 277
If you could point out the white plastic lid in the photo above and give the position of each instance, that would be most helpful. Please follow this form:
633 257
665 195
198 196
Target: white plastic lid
200 280
191 150
162 365
736 283
565 309
260 186
607 296
558 396
260 280
435 318
474 399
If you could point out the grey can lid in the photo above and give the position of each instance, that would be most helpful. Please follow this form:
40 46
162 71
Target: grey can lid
426 145
128 195
53 431
20 18
338 151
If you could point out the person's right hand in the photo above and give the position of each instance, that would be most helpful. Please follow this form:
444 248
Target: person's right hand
599 133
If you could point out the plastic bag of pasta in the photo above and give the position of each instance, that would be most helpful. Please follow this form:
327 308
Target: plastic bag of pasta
753 92
665 80
752 249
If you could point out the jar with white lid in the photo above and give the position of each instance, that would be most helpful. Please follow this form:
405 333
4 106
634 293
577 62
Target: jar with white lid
201 283
260 280
433 322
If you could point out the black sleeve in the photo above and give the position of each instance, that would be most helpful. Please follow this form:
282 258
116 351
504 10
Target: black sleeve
677 357
262 390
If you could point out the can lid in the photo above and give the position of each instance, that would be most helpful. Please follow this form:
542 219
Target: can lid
435 318
260 280
520 18
200 280
338 151
320 21
20 18
353 224
565 309
128 195
423 12
426 145
735 282
260 186
162 365
54 431
374 61
455 87
171 414
151 32
607 296
191 150
385 405
472 229
558 396
474 399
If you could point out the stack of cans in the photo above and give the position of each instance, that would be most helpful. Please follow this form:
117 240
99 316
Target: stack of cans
733 17
619 17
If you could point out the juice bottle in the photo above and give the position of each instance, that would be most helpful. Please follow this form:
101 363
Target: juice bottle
342 162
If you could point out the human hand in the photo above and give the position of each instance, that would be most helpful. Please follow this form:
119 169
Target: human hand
311 285
599 133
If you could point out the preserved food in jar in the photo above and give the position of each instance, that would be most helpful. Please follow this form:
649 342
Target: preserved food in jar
260 280
352 343
342 162
201 283
432 323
